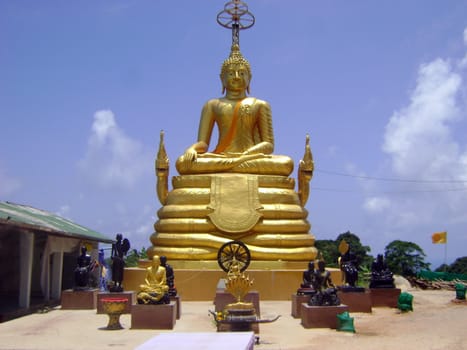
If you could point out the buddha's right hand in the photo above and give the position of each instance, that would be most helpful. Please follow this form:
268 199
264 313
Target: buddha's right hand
190 155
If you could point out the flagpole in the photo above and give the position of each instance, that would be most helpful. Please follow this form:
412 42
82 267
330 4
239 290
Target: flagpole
445 251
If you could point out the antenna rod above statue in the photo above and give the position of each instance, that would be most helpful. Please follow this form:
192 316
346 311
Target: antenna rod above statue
236 16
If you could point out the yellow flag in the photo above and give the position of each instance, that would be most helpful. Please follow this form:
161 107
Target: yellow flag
439 237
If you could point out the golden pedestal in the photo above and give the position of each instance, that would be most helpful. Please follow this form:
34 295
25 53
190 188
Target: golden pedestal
203 212
129 296
114 307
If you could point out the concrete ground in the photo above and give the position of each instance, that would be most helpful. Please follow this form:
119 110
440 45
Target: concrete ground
435 323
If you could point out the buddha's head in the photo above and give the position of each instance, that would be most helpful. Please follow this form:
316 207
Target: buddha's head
156 262
236 71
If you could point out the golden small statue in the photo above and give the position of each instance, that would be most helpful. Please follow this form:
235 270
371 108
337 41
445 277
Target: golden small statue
155 288
238 284
240 190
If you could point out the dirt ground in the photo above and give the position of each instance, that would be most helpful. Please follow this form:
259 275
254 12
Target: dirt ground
435 323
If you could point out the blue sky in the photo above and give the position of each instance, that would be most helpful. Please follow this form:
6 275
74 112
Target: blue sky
381 87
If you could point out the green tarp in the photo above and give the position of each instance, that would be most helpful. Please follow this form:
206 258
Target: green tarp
444 276
404 303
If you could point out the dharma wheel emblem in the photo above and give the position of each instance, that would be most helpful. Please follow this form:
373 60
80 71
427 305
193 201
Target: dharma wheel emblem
236 16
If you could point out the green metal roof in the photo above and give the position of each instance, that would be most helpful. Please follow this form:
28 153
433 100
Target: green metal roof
35 219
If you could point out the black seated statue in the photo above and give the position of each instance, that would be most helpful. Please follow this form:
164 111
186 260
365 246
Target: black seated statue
170 276
84 266
119 250
306 287
325 291
381 276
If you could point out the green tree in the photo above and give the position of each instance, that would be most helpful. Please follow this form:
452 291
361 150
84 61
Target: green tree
458 266
442 268
329 249
356 247
132 258
405 258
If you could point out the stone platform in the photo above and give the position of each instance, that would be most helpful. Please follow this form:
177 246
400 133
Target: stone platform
79 299
153 316
356 301
385 296
130 297
321 316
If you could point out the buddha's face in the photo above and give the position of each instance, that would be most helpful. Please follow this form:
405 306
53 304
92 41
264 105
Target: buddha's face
156 262
236 77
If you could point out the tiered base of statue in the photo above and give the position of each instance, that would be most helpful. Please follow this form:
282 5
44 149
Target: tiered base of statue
203 212
79 299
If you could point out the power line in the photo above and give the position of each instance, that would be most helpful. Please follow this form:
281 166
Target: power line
386 192
387 179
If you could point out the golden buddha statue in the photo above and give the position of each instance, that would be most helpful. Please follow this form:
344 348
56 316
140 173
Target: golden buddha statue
246 139
155 288
240 190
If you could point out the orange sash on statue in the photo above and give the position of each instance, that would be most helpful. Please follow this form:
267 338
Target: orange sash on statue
227 140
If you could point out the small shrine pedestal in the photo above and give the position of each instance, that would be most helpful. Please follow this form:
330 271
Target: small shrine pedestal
79 299
384 296
356 301
321 316
178 305
224 298
297 301
161 316
129 296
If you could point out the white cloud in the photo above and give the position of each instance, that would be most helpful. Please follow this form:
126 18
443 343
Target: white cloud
376 204
8 184
425 141
104 124
113 159
64 211
463 62
419 137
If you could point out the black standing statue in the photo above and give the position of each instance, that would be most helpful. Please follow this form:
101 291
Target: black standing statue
119 250
348 264
84 266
